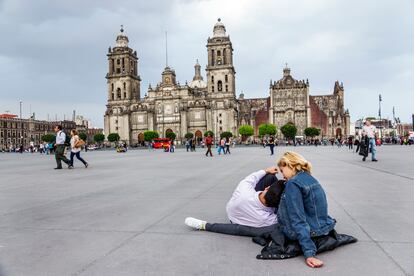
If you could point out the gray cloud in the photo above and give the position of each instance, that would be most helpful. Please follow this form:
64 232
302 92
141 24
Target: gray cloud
53 53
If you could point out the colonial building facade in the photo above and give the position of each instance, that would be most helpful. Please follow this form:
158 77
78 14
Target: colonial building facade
201 105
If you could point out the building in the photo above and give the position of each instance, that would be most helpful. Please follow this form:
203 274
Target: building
170 106
15 131
210 104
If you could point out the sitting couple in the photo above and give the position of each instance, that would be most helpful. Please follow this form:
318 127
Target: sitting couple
262 204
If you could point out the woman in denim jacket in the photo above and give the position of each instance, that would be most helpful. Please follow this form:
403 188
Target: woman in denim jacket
303 209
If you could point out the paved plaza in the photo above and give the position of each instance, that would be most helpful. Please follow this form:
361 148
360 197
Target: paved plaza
124 215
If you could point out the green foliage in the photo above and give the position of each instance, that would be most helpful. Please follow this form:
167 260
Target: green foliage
226 134
189 135
83 136
171 135
208 132
312 131
48 138
246 130
289 130
267 129
150 135
99 138
113 137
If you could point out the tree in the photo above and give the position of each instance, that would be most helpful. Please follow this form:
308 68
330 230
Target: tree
83 136
113 137
189 135
289 130
267 129
150 135
99 138
171 135
226 134
312 131
208 132
48 138
246 131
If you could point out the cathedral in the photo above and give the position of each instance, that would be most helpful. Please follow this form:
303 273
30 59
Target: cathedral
210 104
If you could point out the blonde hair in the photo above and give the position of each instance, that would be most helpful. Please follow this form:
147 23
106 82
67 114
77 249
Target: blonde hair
294 161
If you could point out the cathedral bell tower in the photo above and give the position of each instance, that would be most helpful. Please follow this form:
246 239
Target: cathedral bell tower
122 79
220 70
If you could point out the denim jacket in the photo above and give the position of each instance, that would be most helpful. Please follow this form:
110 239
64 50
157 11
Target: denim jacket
303 212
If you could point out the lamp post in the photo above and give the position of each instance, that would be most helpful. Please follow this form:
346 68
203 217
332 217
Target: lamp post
21 109
379 114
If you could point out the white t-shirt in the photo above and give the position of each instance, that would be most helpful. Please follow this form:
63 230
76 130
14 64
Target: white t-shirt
73 142
369 131
245 208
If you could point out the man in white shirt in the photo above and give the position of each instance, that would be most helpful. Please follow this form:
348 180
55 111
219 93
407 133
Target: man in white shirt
251 209
370 131
60 148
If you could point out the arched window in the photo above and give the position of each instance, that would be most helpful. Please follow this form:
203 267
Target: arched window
218 53
113 96
226 78
118 61
227 88
219 85
125 95
112 87
124 86
118 93
212 88
212 78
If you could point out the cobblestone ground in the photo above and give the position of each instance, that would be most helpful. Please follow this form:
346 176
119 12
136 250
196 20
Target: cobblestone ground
124 215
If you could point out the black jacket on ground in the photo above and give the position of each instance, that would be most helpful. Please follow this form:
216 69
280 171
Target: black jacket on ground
277 246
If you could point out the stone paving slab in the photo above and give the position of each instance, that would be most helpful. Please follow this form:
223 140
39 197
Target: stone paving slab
124 215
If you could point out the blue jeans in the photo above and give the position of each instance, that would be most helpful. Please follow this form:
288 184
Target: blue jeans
373 148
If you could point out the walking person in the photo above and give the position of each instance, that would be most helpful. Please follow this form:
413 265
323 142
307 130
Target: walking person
75 145
187 144
60 148
350 143
227 145
271 144
209 143
172 146
370 131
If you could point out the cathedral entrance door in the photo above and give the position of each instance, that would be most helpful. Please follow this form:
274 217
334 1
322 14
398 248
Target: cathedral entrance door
141 137
199 136
338 133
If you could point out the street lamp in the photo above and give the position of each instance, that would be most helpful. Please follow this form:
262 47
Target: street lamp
379 114
21 109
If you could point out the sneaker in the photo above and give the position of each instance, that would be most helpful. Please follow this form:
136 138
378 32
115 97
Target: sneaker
58 168
374 160
195 223
363 158
70 167
86 165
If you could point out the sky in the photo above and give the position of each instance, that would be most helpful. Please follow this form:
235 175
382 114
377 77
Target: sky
53 53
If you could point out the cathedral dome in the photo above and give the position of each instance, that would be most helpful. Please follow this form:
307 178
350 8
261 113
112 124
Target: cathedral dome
198 79
219 29
198 84
122 39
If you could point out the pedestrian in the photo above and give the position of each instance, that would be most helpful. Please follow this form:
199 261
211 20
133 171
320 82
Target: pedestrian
220 146
187 144
209 143
350 143
172 146
60 148
370 131
75 147
271 144
227 145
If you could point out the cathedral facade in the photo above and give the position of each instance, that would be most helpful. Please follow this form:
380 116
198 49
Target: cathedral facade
209 104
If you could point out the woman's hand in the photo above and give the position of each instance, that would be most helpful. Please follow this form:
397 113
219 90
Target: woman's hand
272 170
314 262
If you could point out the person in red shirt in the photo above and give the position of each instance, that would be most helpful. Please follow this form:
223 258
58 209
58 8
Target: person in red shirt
209 142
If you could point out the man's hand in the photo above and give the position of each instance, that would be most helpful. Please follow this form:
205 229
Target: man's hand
314 262
271 170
